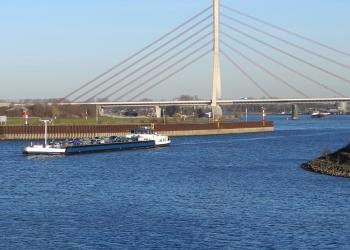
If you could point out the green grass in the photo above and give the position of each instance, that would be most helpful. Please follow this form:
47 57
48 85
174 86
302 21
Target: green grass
20 121
103 120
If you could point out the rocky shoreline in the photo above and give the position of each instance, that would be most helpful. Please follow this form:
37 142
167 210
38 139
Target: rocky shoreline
334 164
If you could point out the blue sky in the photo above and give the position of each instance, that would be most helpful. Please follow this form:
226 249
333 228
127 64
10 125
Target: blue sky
50 47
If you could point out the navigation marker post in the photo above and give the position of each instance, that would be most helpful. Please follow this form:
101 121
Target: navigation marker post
26 116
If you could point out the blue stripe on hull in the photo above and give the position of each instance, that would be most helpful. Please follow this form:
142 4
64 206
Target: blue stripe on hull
109 147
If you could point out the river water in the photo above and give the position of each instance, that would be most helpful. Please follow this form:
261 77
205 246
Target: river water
212 192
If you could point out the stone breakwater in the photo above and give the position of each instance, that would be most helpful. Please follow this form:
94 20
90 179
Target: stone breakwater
335 164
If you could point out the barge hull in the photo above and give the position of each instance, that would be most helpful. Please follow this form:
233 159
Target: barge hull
85 149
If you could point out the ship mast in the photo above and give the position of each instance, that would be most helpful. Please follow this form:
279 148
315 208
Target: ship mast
45 133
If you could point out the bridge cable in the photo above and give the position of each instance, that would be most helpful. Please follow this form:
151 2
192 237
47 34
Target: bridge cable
171 75
288 54
246 74
156 66
164 70
138 52
283 65
265 70
288 42
286 31
142 58
155 59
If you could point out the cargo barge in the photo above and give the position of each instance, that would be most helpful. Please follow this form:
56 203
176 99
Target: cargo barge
137 139
78 147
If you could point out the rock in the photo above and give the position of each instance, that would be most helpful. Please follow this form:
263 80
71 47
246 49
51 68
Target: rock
335 164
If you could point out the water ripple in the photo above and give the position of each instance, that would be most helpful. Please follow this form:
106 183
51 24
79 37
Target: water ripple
214 192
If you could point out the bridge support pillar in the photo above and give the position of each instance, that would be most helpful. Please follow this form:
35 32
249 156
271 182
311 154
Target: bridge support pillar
158 111
343 107
295 112
216 94
216 112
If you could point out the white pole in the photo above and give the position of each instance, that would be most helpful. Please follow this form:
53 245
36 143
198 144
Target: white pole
263 114
97 112
45 134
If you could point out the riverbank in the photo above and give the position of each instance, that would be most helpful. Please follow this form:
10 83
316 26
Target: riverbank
334 164
79 131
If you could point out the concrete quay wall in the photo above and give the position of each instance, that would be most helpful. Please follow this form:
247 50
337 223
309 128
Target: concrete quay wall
218 131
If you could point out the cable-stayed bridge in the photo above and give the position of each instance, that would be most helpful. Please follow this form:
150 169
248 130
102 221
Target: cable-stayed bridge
219 102
222 31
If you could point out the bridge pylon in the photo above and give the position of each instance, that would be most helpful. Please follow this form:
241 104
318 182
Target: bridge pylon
216 89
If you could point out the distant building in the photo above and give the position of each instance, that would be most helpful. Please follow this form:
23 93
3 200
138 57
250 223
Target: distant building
3 120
